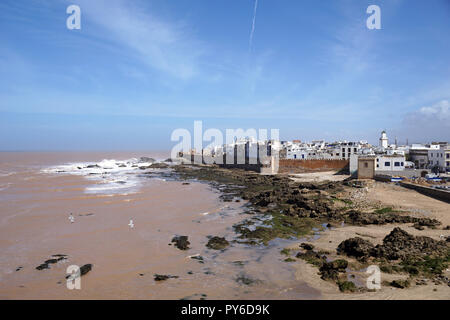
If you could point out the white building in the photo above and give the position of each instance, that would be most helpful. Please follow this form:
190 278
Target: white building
390 163
384 140
439 157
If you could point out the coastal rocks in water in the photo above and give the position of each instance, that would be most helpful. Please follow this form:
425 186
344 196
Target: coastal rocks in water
162 277
55 258
92 166
217 243
159 165
146 160
355 247
181 242
84 269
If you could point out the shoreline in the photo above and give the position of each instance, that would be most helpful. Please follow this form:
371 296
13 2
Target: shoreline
372 226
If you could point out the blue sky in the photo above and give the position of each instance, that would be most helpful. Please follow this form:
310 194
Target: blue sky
137 70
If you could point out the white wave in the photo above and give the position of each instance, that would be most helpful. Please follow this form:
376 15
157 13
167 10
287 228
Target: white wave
110 175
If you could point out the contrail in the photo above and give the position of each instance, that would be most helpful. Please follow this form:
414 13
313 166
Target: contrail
253 25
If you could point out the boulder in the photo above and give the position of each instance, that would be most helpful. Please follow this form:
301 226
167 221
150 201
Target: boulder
181 242
217 243
355 247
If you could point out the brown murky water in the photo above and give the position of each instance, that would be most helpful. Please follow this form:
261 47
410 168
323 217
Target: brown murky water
34 224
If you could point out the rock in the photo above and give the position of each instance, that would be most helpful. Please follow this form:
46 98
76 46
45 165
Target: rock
162 277
92 166
307 246
330 270
355 247
181 242
159 165
401 245
146 160
185 183
346 286
46 263
400 284
85 269
198 258
217 243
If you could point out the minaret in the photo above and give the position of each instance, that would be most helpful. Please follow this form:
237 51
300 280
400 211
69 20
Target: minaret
384 140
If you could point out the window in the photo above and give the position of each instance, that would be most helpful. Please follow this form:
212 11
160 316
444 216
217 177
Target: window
387 164
396 164
447 155
366 165
402 164
378 165
354 149
349 150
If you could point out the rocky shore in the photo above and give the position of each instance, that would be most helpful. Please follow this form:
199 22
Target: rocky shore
279 207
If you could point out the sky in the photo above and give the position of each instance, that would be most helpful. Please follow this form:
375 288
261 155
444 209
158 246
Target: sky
138 70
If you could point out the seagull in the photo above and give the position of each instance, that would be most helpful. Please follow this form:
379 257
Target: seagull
71 218
131 224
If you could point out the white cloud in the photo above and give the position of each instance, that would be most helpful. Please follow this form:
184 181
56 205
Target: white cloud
428 123
162 45
439 112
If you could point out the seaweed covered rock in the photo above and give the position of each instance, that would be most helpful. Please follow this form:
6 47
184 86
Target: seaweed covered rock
181 242
330 270
355 247
217 243
401 245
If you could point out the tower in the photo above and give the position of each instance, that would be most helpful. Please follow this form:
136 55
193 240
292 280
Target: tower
383 139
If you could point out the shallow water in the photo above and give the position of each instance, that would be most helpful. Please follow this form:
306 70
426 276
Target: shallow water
36 198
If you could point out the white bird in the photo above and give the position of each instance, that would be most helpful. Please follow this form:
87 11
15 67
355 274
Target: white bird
71 218
131 224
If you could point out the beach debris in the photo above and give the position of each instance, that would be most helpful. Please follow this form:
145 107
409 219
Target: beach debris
181 242
19 268
162 277
71 218
131 224
217 243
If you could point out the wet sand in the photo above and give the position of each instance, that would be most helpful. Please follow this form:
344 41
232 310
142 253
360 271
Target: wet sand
34 225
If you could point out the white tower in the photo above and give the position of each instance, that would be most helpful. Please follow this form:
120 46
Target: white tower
383 140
